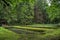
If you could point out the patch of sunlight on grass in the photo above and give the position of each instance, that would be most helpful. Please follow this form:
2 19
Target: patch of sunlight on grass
50 34
42 25
8 35
31 28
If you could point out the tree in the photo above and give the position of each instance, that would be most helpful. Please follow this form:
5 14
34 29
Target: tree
17 11
39 11
25 12
54 11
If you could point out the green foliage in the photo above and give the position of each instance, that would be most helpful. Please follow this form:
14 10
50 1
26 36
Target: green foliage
25 13
22 11
54 11
19 11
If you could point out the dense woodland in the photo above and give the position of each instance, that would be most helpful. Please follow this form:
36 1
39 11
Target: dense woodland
29 19
30 11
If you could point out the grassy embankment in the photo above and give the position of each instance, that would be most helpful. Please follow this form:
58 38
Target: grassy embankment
5 34
35 32
49 32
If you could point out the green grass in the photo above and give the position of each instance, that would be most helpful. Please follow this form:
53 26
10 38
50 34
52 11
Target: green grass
42 25
49 34
49 26
33 29
8 35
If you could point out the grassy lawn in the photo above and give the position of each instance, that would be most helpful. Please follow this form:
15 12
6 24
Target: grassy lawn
33 28
40 33
31 33
42 25
8 35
